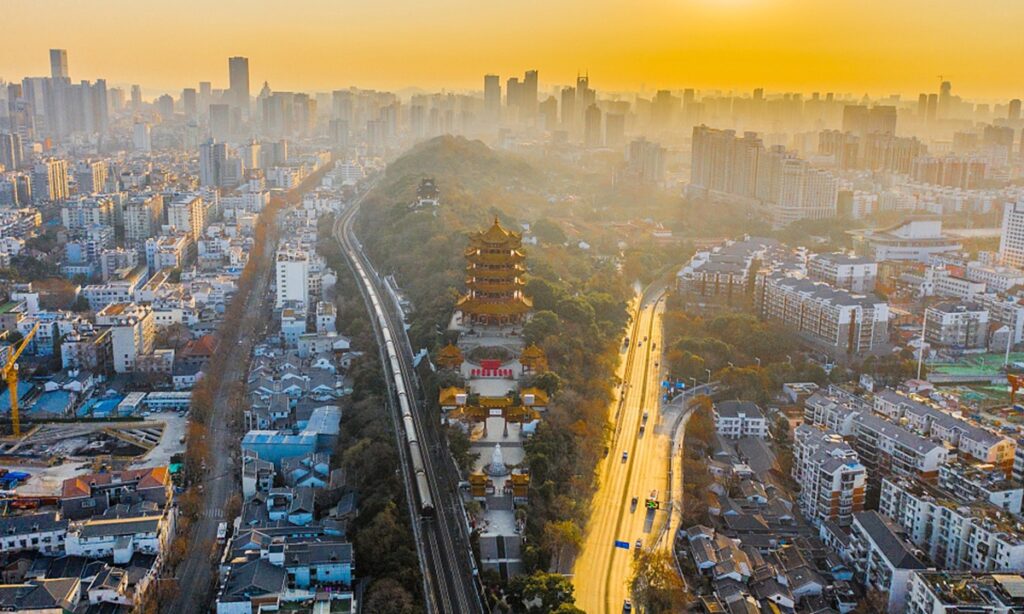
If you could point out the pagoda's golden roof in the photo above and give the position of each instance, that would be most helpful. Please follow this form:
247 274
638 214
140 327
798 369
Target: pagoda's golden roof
496 235
539 396
531 351
450 355
446 396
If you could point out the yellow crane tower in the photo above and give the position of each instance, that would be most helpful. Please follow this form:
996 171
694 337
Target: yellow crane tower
9 372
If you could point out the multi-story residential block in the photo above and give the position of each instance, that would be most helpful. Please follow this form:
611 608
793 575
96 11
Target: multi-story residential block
969 439
80 214
835 319
292 276
854 273
832 480
886 448
834 409
735 419
725 273
132 332
981 482
187 213
142 215
168 252
882 558
50 180
953 533
944 592
957 325
1011 239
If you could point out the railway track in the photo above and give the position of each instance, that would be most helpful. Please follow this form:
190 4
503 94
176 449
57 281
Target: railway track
439 526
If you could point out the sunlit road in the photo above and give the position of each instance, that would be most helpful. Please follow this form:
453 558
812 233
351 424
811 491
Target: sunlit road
602 571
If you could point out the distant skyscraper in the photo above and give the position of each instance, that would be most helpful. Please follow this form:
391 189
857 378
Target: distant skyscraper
592 127
59 64
529 93
568 108
189 102
136 98
492 97
614 130
238 69
1013 114
220 122
933 107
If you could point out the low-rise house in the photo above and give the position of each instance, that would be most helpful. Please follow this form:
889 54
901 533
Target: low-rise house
735 419
43 532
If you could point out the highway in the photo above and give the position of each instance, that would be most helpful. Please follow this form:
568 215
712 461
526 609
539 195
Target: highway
442 540
602 571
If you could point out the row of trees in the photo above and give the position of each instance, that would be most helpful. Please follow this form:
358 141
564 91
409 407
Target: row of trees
381 535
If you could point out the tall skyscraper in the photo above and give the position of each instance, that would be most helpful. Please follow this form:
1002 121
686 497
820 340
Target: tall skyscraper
592 127
568 108
238 69
59 64
492 97
189 102
1013 113
529 93
136 98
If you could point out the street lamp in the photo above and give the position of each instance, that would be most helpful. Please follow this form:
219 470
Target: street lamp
758 359
708 371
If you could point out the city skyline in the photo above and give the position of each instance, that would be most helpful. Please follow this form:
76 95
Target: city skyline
731 45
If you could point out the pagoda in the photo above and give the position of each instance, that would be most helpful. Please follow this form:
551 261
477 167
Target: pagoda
494 270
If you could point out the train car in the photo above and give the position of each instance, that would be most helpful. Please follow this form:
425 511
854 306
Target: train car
426 501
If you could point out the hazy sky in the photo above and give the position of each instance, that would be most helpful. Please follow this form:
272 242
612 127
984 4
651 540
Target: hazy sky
857 46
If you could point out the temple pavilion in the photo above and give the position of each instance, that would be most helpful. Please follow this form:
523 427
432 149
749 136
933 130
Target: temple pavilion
494 279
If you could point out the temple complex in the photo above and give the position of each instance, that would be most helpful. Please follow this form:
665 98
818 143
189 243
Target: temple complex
493 396
494 280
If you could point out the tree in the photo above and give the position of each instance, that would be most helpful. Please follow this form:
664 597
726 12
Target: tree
562 537
656 586
542 325
540 592
548 231
387 596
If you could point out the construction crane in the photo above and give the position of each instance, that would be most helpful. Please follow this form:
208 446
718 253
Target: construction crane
9 371
1015 381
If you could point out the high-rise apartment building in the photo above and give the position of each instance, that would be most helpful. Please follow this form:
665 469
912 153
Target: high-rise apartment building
1011 239
592 127
187 213
10 150
492 97
142 215
59 64
238 73
292 276
50 180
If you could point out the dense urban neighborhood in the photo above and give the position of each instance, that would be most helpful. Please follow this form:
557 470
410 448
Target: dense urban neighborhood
532 348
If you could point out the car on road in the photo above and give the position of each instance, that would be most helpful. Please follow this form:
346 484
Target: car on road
627 606
644 418
642 430
625 456
638 546
632 505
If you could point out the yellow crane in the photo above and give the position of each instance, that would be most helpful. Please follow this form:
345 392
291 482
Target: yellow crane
9 372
